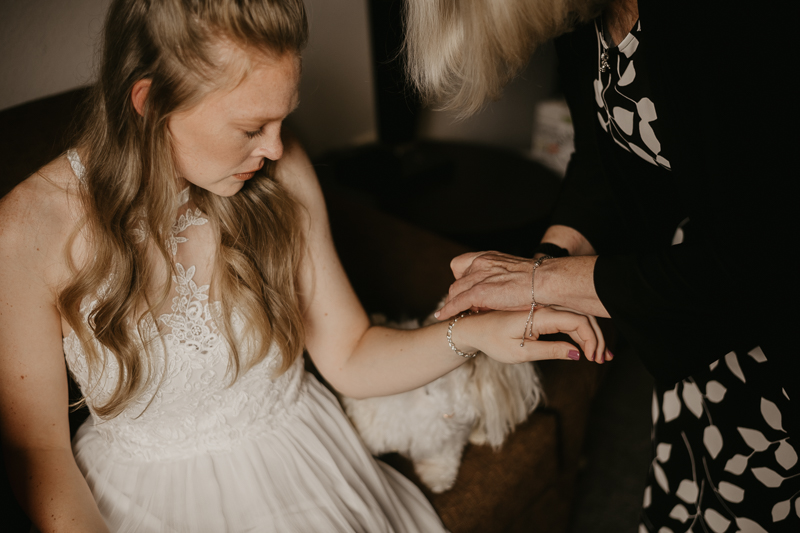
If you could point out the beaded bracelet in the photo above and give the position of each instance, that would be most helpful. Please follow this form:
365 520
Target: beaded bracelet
465 355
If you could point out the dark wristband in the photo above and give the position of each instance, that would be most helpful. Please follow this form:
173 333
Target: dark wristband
548 248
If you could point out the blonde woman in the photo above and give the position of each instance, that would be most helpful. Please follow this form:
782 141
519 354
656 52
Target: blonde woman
675 220
176 262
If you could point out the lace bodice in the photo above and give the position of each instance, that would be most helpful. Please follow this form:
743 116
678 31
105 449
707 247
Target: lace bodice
190 407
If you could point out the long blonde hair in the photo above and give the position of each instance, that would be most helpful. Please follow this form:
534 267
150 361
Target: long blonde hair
461 53
129 159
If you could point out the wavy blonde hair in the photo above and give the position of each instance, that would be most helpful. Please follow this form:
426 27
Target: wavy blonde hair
128 158
461 53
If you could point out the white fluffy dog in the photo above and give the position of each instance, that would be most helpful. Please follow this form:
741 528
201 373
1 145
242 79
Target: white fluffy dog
481 401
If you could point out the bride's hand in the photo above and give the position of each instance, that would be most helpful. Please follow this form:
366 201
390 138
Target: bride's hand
499 334
600 355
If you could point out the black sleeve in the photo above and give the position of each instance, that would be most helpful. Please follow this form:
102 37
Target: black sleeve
732 285
585 202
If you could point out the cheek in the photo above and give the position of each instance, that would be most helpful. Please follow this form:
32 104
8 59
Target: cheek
197 151
205 151
185 144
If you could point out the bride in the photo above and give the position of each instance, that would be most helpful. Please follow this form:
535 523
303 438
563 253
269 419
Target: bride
177 262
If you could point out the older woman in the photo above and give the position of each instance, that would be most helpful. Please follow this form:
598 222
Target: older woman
674 221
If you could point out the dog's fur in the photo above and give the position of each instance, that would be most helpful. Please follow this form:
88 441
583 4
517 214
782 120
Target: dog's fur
481 401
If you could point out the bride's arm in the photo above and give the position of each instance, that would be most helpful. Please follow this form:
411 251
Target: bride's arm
33 381
361 361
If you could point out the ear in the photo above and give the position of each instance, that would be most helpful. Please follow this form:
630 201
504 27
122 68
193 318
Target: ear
139 94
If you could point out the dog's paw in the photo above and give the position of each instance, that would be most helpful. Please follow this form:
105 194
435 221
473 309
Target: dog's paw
439 473
479 437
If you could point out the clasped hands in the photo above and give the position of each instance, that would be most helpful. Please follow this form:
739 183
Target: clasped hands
494 281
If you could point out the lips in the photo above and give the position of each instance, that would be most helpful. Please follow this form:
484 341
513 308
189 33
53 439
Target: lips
244 176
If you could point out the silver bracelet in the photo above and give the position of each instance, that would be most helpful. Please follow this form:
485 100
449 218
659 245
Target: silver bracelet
465 355
529 322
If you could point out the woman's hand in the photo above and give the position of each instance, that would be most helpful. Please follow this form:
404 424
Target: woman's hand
488 280
499 334
600 355
502 282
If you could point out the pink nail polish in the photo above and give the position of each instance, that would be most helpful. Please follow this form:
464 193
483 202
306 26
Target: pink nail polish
609 355
574 355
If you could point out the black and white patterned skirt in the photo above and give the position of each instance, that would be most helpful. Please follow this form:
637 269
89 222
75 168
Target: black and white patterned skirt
723 460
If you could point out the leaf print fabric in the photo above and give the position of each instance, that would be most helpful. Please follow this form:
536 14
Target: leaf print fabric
723 461
624 110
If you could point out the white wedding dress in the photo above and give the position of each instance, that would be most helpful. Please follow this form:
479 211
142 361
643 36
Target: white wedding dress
197 455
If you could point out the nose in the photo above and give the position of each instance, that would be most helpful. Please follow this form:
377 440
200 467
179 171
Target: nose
271 145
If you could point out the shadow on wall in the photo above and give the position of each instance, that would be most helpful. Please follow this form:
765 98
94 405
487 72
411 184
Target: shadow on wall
47 46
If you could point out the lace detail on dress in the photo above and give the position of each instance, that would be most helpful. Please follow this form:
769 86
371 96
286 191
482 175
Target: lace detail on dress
189 407
184 221
192 320
75 163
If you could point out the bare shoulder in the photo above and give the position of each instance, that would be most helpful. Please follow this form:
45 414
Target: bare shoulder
296 173
37 218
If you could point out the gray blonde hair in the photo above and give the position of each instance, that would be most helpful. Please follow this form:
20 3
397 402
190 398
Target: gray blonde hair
461 53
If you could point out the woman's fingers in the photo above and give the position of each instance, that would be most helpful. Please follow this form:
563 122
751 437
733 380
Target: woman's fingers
458 299
602 349
505 340
587 340
460 264
581 328
600 353
487 280
481 295
536 350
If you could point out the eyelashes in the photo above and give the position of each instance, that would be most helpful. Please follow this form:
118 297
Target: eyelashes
253 134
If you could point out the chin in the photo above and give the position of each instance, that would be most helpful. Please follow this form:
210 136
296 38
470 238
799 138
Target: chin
226 190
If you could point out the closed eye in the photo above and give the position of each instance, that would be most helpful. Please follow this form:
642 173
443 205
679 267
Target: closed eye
254 134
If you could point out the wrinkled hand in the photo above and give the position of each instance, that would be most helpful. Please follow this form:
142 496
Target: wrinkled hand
498 281
488 280
502 334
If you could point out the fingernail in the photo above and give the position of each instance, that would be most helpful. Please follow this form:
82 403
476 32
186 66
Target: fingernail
574 355
609 355
436 314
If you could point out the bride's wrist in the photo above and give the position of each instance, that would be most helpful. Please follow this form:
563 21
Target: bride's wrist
461 334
